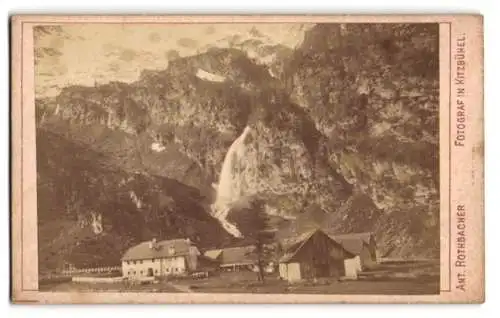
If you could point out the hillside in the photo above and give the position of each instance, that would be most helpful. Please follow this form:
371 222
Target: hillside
338 126
89 213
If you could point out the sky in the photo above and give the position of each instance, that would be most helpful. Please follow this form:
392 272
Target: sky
83 54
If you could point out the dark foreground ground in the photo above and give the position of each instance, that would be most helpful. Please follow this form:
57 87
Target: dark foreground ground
388 278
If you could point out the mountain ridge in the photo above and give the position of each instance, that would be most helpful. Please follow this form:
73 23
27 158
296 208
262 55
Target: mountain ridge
321 132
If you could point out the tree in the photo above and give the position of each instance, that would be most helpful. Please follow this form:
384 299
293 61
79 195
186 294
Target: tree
264 237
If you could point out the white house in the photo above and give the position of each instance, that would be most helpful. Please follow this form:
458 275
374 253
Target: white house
164 258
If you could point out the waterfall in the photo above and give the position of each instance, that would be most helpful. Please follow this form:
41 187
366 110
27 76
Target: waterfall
230 188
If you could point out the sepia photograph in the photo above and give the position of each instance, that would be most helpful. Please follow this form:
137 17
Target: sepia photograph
291 158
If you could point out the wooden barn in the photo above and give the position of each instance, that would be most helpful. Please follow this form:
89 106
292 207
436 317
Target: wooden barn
363 245
314 255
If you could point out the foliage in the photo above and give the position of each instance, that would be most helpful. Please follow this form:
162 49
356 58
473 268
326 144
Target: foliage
264 237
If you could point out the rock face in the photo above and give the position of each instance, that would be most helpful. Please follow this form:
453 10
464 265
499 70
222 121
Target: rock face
90 212
338 126
373 92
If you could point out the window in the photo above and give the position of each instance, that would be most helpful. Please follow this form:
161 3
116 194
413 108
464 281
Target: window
134 262
141 272
140 262
171 250
153 260
156 271
134 272
129 272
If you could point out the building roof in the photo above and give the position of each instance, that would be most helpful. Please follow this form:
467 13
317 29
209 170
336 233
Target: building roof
353 242
353 245
365 236
238 255
162 249
293 246
213 254
291 241
205 262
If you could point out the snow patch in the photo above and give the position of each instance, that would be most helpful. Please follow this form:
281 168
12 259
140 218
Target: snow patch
275 212
157 147
97 223
135 199
272 73
204 75
268 59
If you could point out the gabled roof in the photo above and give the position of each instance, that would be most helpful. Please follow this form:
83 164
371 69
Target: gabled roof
292 247
162 249
290 241
213 254
353 245
238 255
365 236
353 242
206 262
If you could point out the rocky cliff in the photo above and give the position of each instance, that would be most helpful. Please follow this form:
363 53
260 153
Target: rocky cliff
373 92
345 124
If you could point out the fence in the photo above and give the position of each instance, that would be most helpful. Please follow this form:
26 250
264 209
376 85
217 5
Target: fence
95 280
94 270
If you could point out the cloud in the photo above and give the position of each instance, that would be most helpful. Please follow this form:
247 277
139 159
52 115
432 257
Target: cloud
114 67
61 69
119 53
128 55
254 32
187 43
57 43
110 48
154 37
210 30
171 55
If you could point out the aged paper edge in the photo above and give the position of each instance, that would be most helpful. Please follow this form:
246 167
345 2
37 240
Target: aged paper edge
466 164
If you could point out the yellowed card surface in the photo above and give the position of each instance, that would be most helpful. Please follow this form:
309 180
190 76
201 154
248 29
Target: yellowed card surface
247 159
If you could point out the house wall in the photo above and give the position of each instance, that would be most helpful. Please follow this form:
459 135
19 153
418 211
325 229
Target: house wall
160 267
139 268
366 257
239 267
174 266
283 270
290 271
293 272
352 267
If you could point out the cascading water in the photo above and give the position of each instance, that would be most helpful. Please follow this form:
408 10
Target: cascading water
230 188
